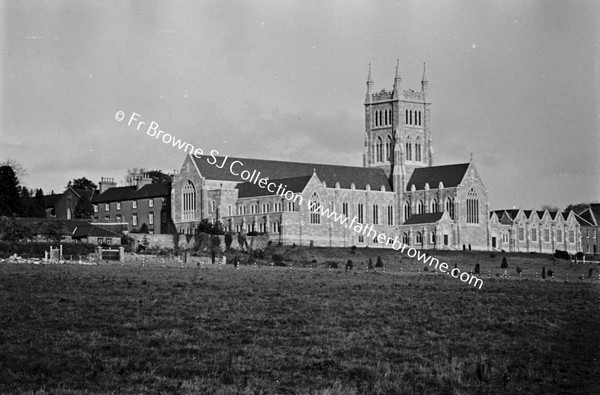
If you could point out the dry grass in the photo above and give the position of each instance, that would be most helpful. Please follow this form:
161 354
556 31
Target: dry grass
131 329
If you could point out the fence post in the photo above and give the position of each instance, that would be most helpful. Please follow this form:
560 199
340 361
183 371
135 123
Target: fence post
121 253
60 254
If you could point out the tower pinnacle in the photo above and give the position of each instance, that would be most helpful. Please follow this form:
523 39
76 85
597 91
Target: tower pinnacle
369 83
424 82
397 79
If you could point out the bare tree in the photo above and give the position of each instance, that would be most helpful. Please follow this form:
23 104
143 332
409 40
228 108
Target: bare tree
18 168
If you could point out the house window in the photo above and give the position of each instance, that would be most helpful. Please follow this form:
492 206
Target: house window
450 207
69 213
390 215
361 239
134 204
432 237
375 214
472 207
405 238
534 234
345 209
408 151
229 210
315 217
360 218
151 218
95 208
118 205
119 218
547 235
290 206
106 206
134 219
100 240
68 196
188 201
275 227
521 233
571 236
420 207
108 241
150 202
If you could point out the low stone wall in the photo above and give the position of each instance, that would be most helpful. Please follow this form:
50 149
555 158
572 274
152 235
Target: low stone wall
187 242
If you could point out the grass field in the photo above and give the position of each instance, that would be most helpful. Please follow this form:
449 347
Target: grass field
115 328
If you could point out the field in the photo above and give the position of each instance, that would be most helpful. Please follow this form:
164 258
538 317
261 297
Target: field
160 328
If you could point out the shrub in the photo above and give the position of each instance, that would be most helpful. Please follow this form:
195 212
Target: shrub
259 253
251 260
519 270
277 259
253 233
477 268
353 248
205 226
550 273
370 265
36 250
561 254
379 262
504 264
426 269
332 265
492 255
313 261
228 240
349 265
579 255
543 272
590 272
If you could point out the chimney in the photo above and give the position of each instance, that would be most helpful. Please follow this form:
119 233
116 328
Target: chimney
105 184
142 180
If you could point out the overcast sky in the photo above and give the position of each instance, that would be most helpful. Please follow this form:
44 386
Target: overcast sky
514 82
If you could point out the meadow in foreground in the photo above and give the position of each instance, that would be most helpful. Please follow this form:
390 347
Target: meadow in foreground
130 329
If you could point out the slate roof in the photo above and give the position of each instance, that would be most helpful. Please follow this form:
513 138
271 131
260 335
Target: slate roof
595 209
38 223
426 218
582 221
449 175
50 200
294 184
587 216
131 192
92 231
273 169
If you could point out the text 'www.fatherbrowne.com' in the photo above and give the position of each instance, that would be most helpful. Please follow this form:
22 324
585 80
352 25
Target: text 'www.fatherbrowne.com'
236 168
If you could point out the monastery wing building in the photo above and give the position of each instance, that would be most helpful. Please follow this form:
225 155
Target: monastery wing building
398 190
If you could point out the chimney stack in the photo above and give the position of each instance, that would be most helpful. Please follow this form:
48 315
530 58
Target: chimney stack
105 184
142 180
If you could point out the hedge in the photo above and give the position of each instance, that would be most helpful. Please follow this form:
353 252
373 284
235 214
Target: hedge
36 250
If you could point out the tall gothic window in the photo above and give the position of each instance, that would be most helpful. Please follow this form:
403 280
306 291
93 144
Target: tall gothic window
420 207
315 217
406 117
388 148
434 206
390 215
406 210
408 151
472 207
379 149
418 150
361 214
450 207
375 214
189 201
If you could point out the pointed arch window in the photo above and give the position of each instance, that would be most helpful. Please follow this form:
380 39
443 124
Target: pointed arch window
419 238
406 210
315 217
472 207
361 214
408 151
420 207
434 206
388 148
375 214
379 149
405 238
418 150
390 215
406 117
189 201
450 207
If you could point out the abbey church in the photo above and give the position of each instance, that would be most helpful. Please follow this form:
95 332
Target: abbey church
398 191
